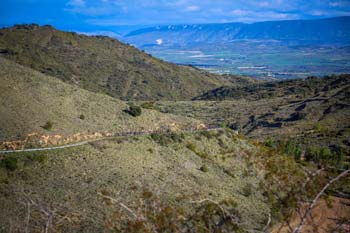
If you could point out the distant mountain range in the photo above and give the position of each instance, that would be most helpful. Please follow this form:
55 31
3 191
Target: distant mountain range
321 31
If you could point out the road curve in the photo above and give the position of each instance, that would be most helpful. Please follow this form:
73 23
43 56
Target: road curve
125 134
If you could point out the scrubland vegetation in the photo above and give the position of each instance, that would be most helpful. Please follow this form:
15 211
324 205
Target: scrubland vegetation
276 146
204 182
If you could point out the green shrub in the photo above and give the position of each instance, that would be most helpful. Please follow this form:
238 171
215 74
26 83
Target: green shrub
176 137
324 156
162 140
192 147
134 110
204 168
247 190
269 142
165 139
221 143
155 136
48 125
207 134
10 163
292 149
82 117
312 154
148 105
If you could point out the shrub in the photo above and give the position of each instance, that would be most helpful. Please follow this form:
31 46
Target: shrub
312 154
292 149
247 190
82 117
160 139
176 137
148 105
10 163
204 168
221 143
134 110
48 125
192 147
165 139
269 142
207 134
324 156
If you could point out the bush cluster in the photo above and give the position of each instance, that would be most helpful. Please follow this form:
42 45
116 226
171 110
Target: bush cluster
165 139
134 110
324 156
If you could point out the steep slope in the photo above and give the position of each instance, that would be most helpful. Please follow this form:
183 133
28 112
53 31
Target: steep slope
30 99
323 31
102 64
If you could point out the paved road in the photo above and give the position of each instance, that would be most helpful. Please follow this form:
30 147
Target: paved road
124 134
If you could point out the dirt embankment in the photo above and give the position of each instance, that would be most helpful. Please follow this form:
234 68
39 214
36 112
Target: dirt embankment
35 140
327 216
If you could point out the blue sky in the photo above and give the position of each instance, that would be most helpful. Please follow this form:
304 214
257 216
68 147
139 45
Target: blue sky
90 15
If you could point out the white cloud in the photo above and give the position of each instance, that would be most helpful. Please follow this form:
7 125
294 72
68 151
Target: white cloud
192 8
317 13
239 12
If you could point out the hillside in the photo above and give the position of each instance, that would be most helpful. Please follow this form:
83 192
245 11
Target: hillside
30 99
148 184
312 112
322 31
104 65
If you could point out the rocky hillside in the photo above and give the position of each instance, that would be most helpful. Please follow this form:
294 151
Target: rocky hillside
313 112
302 88
105 65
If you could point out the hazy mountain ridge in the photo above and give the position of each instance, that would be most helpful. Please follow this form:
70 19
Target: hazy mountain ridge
321 31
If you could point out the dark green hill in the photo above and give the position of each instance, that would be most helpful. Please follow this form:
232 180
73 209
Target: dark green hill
102 64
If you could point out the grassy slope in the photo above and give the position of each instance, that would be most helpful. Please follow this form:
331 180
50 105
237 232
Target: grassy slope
29 99
102 64
69 181
315 111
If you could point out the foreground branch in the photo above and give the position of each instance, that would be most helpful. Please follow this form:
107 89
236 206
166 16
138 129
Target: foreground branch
313 202
121 204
